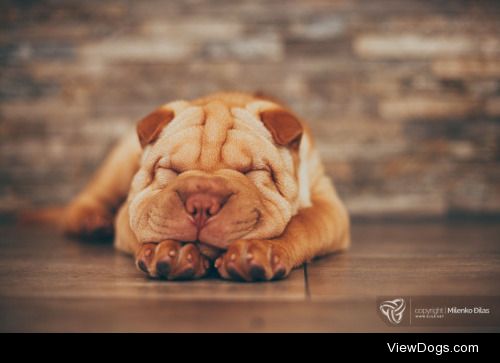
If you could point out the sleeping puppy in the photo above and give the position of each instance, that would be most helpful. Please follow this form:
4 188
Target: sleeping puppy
230 181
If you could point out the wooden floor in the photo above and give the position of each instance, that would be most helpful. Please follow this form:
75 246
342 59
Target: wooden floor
48 283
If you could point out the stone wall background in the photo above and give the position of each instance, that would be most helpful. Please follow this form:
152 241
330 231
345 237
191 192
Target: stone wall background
403 96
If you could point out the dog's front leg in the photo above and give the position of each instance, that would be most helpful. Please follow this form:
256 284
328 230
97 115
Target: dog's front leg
314 231
91 213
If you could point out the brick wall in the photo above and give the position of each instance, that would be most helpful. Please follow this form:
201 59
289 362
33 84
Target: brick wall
404 96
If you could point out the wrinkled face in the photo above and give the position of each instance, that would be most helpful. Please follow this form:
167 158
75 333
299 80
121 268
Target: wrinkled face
214 174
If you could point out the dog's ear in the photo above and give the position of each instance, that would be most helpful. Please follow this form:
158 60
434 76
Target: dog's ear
285 128
150 126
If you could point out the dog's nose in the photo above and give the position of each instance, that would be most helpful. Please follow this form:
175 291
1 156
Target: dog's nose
203 206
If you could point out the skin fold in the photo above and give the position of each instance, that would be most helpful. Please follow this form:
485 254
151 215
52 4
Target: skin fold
230 182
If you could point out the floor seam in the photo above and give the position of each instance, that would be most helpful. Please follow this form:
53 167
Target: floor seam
306 281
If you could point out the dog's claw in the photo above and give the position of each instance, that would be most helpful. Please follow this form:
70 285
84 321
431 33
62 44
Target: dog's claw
142 266
218 262
172 260
252 260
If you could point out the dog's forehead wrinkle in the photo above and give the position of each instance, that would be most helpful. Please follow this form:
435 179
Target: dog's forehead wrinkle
246 150
214 136
246 120
218 120
187 117
239 151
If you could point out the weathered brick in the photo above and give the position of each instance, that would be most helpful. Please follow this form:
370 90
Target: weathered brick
483 21
248 48
340 171
50 109
353 140
466 68
492 107
19 84
368 76
25 52
481 88
319 27
477 190
411 45
137 49
426 107
454 140
192 29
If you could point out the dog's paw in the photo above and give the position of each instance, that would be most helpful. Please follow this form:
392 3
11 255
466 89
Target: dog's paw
172 260
88 221
253 260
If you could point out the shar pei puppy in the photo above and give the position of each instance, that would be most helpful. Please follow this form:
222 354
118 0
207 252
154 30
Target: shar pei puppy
230 182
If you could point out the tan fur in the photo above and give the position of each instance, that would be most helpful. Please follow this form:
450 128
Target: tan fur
279 209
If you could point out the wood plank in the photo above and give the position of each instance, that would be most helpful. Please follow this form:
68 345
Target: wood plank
50 284
411 259
154 315
38 262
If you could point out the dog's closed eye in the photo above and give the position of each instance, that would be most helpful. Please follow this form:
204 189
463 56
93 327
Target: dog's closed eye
256 170
164 175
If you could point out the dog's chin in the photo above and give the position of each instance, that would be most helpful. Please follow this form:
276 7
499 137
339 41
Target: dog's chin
217 236
217 233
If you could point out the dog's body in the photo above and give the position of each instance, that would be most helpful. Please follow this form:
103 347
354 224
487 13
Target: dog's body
230 180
